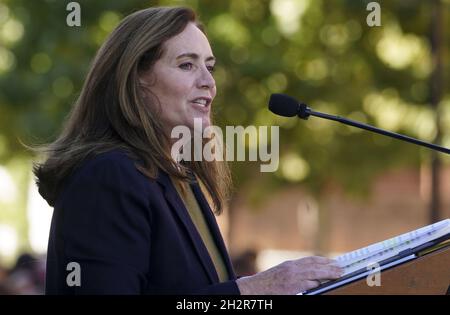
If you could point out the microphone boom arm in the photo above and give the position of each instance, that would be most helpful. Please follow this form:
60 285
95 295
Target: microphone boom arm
304 112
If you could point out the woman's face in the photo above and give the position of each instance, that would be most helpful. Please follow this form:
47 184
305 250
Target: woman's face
182 79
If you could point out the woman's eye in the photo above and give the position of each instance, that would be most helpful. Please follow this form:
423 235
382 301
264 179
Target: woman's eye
186 66
211 69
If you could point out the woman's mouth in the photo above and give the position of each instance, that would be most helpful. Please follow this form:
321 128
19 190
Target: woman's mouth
202 103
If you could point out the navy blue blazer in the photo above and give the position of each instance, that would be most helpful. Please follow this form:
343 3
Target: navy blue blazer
130 235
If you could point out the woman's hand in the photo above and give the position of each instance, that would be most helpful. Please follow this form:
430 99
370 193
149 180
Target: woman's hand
291 277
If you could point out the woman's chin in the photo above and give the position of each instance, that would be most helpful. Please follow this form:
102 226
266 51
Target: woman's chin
200 123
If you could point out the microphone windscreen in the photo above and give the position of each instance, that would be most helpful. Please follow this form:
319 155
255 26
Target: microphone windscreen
283 105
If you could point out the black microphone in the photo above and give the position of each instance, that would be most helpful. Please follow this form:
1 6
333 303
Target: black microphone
288 106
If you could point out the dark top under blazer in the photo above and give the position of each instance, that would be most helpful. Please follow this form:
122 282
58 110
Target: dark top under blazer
130 235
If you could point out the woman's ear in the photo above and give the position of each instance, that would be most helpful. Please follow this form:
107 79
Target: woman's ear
142 83
143 86
146 79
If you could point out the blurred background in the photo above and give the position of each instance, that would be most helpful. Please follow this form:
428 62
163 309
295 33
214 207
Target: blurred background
337 188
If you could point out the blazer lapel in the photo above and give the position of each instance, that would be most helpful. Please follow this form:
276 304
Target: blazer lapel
214 228
177 204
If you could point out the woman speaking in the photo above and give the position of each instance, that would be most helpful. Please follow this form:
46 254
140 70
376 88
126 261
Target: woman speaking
130 216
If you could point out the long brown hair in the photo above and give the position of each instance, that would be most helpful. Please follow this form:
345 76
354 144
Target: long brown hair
110 111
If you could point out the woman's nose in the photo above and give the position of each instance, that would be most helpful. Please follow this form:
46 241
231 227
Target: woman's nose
206 79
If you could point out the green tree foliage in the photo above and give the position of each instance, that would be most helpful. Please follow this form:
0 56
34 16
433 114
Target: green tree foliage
321 52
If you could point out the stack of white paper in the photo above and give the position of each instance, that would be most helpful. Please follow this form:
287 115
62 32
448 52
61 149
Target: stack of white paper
364 257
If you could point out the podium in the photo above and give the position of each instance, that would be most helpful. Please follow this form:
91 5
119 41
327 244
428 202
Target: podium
427 274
